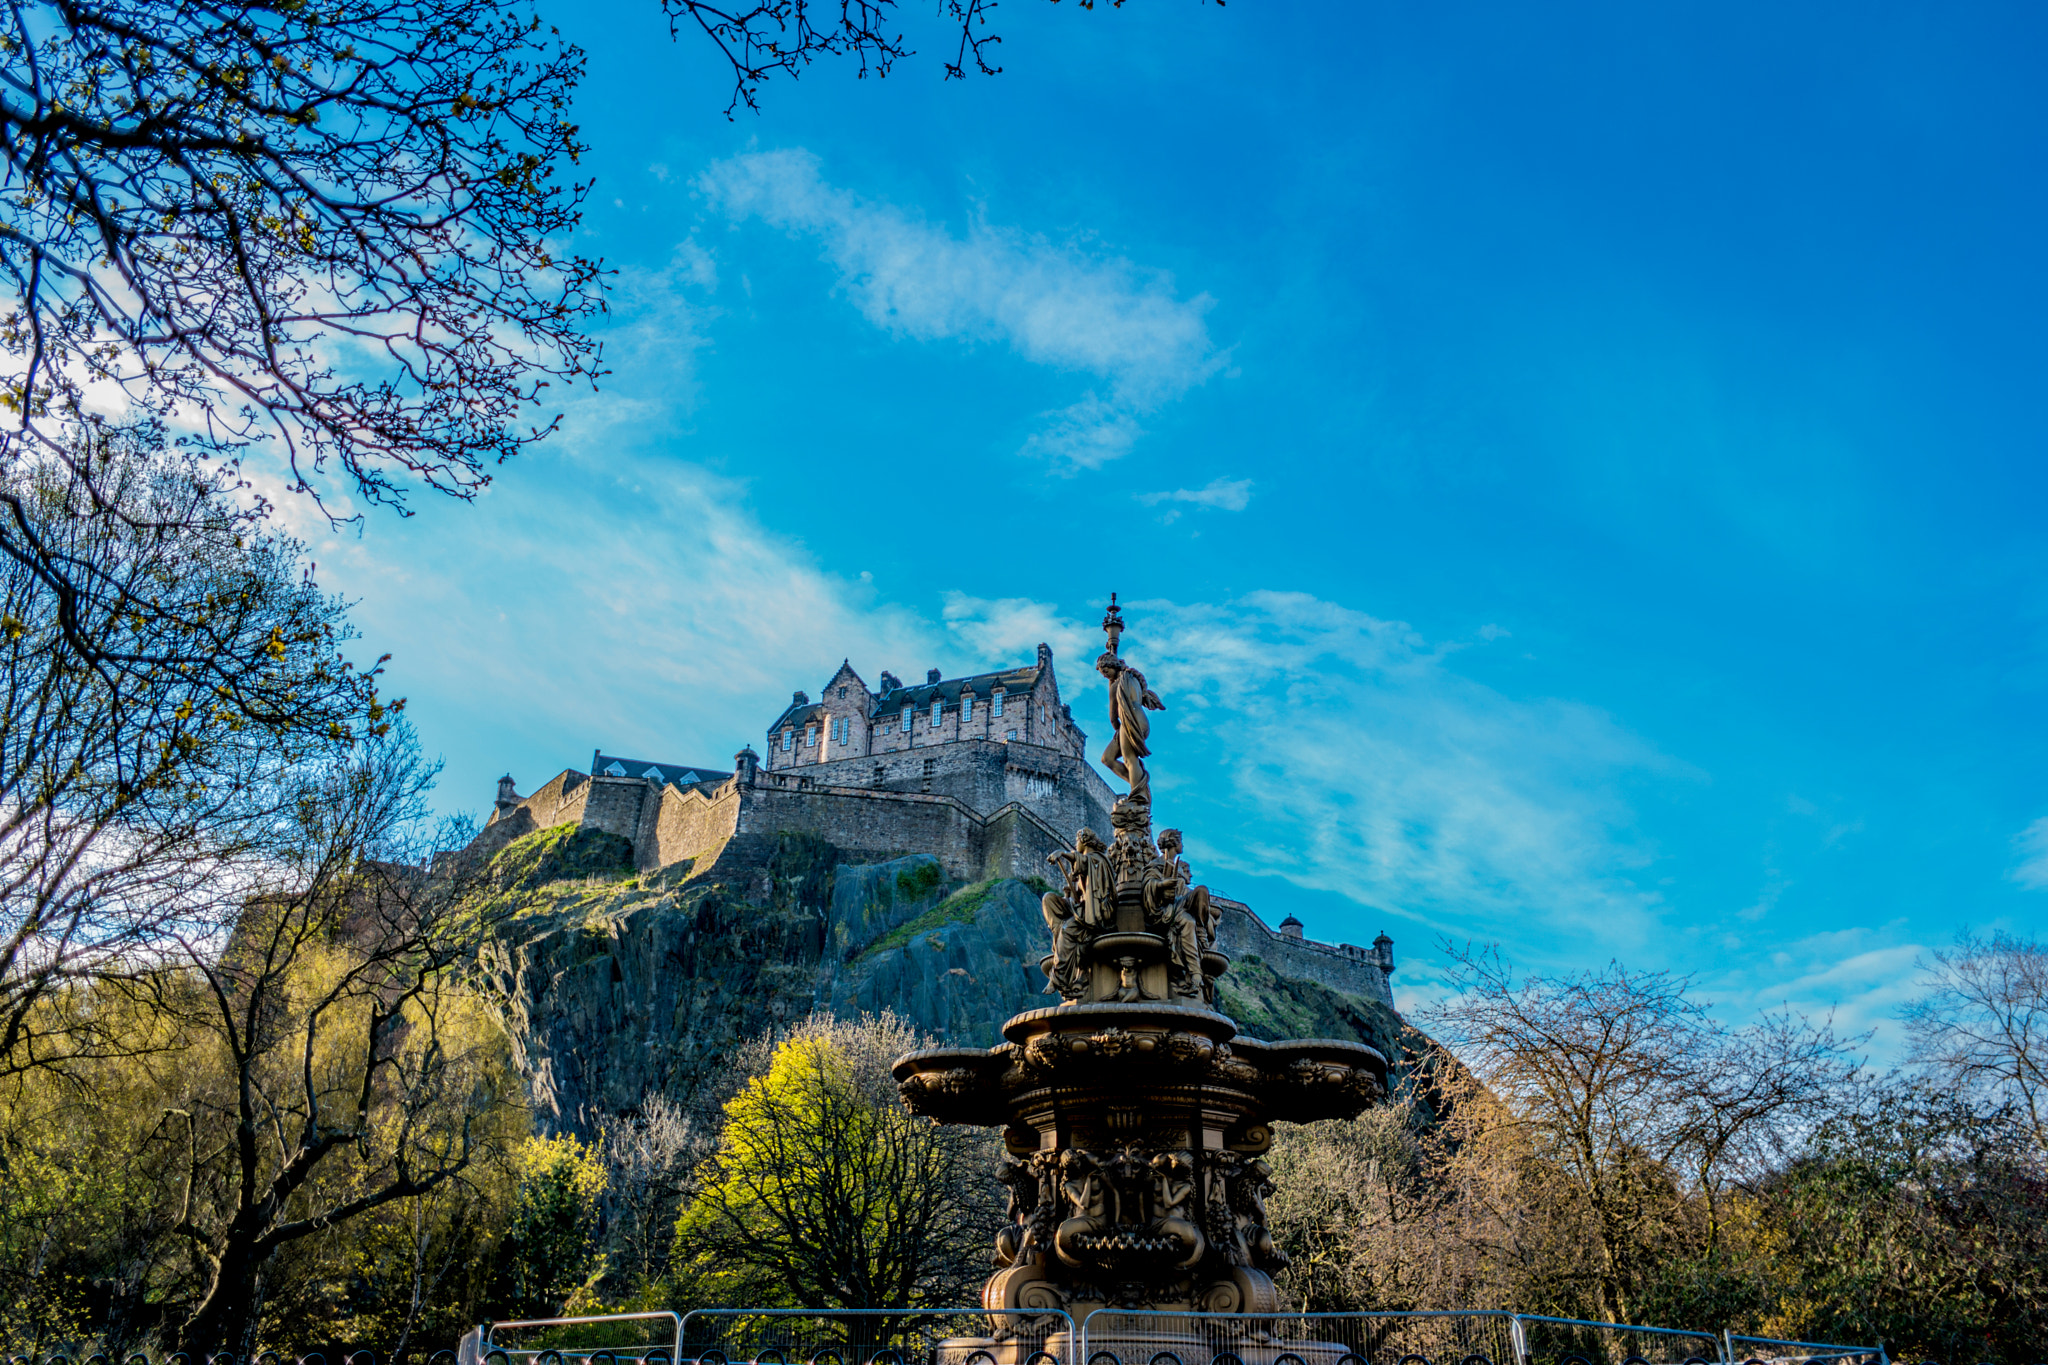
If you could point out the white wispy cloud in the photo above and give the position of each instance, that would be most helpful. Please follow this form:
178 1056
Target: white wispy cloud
1382 774
1408 785
1054 304
2032 843
1858 977
1011 627
1225 495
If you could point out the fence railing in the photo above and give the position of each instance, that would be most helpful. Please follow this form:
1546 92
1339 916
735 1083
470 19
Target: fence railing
876 1336
1606 1343
1769 1351
440 1357
1106 1336
1114 1336
602 1339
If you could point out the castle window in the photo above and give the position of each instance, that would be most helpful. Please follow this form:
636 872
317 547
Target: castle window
966 709
938 708
842 692
995 704
906 720
811 735
1010 735
788 739
615 769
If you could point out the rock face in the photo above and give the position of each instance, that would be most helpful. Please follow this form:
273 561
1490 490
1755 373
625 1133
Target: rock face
615 982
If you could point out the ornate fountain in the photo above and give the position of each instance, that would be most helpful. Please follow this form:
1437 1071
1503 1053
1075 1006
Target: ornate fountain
1133 1115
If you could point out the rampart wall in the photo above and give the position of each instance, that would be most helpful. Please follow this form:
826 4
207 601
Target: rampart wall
984 776
982 809
1340 966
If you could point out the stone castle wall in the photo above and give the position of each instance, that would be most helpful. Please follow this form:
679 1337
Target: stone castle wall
983 775
870 825
982 809
1340 966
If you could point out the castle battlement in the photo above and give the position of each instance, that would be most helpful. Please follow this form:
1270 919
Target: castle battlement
986 773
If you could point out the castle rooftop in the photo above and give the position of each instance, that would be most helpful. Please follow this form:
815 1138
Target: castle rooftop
611 765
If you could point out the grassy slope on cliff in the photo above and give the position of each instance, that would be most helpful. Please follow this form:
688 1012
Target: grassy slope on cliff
1269 1006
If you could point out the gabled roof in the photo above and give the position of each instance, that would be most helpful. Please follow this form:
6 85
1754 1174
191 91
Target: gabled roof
920 696
677 773
797 715
948 690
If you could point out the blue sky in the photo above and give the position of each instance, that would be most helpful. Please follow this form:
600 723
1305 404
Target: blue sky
1578 470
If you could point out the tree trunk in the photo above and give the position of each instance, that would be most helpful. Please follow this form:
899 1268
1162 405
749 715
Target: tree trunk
221 1318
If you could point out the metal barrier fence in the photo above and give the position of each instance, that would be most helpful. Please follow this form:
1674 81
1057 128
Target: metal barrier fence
1113 1336
875 1336
974 1336
441 1357
1742 1351
605 1339
1570 1340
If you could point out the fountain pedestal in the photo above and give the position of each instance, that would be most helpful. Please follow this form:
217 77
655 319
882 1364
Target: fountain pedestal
1134 1116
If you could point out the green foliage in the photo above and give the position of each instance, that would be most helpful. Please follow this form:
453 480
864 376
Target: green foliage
959 908
1267 1005
563 853
825 1192
57 1197
915 883
1918 1218
550 1251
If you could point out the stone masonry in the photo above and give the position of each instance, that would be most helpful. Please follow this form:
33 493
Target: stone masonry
987 774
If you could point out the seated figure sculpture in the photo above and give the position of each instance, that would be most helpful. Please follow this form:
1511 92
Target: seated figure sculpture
1077 913
1184 914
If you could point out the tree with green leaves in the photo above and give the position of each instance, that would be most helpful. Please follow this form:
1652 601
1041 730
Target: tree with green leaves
824 1192
1916 1217
550 1250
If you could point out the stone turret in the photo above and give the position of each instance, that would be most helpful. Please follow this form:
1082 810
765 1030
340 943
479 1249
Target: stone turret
745 764
508 794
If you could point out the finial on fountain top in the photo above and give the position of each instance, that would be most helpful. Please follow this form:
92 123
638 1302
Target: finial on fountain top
1129 699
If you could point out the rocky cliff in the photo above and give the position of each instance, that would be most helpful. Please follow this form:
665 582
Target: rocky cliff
615 983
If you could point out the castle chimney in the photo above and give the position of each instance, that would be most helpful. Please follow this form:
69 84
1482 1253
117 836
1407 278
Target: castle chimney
890 682
931 675
800 698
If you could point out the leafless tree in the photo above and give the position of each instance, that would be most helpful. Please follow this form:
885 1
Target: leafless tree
1623 1081
761 39
1982 1023
1755 1091
765 38
652 1156
1595 1064
331 228
132 772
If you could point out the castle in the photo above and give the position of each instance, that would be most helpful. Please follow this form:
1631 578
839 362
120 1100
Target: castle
987 773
